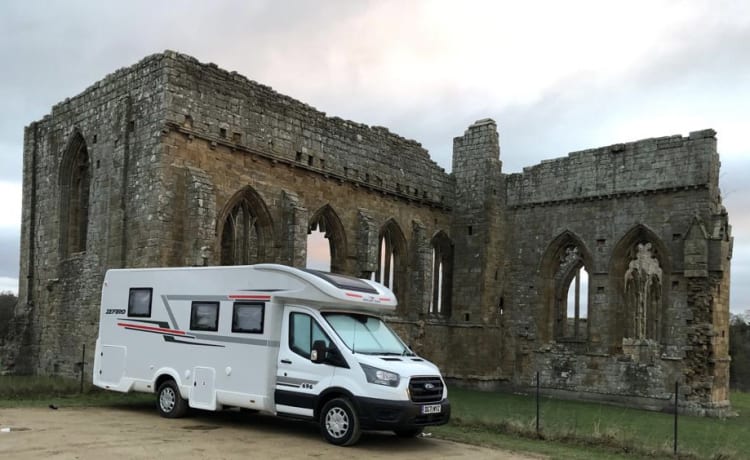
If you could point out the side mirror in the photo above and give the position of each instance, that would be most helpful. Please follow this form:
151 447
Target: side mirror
319 352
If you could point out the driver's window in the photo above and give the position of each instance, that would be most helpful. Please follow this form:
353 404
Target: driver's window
303 332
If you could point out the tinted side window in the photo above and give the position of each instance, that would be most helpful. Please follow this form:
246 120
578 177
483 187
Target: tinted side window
139 302
204 316
303 331
248 317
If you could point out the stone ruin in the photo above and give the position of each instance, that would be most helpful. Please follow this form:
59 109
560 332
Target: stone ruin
605 272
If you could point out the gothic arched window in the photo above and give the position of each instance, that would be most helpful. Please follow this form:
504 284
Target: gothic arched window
75 184
327 222
442 275
571 296
565 270
391 257
246 230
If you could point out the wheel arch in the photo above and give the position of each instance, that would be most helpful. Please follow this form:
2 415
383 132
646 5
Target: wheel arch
164 374
332 393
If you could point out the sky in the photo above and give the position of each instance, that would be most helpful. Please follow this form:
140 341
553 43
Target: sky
556 76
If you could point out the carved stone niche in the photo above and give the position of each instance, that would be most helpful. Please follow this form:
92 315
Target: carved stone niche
643 296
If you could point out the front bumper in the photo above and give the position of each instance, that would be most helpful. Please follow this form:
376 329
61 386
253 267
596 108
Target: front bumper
383 414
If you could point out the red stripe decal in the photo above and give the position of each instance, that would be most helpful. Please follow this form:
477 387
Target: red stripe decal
151 328
384 299
351 294
249 297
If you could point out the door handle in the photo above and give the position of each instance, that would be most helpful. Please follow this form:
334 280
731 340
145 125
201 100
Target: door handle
286 361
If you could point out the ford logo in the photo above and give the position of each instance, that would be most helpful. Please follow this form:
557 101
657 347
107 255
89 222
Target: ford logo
429 386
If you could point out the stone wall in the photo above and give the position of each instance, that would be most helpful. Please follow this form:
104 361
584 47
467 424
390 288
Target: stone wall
664 163
227 108
466 352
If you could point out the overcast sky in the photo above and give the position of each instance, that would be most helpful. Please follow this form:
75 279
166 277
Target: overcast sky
556 76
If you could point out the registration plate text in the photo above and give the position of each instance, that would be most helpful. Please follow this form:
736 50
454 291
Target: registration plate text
431 409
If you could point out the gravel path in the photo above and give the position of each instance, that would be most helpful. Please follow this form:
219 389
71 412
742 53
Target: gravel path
140 433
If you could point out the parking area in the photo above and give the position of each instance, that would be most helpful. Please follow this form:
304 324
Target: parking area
138 432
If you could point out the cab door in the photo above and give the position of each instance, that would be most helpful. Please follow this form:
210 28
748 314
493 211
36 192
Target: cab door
298 380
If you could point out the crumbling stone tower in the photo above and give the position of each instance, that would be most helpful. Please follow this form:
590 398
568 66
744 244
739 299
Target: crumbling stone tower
478 222
606 271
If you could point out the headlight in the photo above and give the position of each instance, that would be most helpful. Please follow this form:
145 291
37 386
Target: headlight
380 376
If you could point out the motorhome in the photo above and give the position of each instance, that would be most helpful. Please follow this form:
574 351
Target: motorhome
269 338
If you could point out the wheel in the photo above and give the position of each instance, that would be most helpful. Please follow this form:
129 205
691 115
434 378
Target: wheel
169 402
339 423
409 433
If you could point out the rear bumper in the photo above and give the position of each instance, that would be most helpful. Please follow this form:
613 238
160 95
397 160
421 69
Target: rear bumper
382 414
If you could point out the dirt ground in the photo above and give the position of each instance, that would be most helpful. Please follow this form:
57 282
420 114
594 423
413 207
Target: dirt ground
140 433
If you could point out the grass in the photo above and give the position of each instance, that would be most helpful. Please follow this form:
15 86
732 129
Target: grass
20 387
569 430
576 430
34 391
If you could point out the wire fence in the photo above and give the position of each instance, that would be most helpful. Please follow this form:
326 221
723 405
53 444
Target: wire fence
675 409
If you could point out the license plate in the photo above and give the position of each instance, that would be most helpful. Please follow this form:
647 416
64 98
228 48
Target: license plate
432 409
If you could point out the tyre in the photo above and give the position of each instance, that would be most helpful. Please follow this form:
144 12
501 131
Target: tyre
169 402
409 433
339 423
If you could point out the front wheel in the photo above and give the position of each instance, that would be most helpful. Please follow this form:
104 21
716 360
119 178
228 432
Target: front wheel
339 423
169 402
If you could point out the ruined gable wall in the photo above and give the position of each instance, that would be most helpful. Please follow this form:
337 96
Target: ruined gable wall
601 195
119 120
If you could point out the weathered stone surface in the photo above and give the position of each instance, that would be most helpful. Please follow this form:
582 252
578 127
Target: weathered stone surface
188 164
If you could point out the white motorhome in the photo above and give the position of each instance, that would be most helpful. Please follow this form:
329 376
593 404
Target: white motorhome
270 338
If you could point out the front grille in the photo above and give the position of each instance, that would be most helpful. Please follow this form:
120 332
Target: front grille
426 389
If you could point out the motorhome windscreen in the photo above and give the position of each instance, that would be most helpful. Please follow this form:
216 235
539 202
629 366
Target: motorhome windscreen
344 282
366 334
